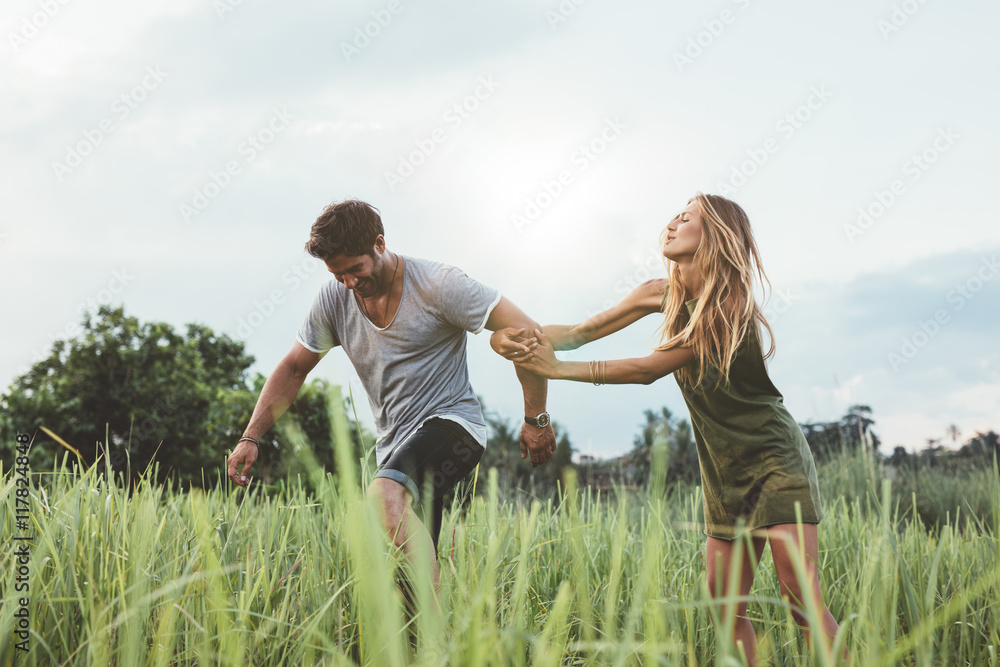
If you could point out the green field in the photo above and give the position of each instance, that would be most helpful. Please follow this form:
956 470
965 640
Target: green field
299 575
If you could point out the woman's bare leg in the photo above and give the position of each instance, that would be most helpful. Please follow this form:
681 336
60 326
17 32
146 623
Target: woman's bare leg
785 549
718 559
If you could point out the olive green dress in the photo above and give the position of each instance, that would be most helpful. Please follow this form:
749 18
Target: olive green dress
755 461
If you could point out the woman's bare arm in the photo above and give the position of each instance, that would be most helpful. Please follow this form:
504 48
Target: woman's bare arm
644 300
642 370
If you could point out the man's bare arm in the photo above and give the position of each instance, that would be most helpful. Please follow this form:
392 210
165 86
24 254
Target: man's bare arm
278 393
507 314
540 444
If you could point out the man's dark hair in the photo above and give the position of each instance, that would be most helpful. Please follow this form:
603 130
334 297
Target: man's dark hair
347 228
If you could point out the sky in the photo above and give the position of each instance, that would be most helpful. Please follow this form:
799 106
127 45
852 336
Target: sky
170 157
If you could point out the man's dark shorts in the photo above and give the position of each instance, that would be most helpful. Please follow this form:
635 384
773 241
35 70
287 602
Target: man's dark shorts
440 453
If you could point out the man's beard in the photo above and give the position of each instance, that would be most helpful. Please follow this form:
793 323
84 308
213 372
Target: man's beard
375 281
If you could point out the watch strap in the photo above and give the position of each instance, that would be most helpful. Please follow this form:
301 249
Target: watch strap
534 421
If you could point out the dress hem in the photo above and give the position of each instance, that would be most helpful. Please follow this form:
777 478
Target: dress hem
732 537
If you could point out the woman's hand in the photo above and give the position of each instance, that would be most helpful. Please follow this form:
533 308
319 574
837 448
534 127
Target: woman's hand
542 358
511 344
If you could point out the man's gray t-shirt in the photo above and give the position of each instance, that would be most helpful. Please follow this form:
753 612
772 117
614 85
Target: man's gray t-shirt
415 368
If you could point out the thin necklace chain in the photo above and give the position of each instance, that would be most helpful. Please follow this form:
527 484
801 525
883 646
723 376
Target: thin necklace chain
388 298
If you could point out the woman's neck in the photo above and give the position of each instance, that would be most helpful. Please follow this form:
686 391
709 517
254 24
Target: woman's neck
691 278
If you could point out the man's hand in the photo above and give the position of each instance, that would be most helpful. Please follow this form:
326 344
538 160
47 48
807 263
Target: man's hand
538 443
245 454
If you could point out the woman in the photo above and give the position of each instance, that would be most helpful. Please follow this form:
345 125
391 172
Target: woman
755 462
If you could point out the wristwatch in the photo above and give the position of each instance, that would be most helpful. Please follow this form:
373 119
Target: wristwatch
541 421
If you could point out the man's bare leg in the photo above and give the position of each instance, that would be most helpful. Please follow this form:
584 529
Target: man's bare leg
406 530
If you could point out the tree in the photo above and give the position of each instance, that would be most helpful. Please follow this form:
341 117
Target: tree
684 459
230 414
856 427
143 388
123 383
675 437
550 473
983 445
900 457
853 431
656 429
504 454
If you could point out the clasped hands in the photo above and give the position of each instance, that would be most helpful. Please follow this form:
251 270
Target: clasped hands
533 353
536 355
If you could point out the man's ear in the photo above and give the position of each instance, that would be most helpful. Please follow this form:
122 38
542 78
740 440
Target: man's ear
380 244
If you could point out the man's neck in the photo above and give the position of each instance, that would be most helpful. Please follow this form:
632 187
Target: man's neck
390 266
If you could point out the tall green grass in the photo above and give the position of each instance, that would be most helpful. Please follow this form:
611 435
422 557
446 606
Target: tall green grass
935 496
301 574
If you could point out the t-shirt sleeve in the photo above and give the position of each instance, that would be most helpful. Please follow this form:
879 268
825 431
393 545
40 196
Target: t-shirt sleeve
465 302
318 333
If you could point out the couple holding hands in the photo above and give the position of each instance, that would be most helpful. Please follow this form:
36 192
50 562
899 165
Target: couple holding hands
402 322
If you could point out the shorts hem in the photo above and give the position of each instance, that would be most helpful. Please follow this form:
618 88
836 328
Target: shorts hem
402 478
732 536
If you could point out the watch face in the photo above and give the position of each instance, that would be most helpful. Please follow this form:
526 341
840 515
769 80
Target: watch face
542 420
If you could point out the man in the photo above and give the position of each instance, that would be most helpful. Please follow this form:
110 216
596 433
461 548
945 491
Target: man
402 322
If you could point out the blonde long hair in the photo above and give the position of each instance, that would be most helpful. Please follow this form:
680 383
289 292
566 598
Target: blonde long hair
726 258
